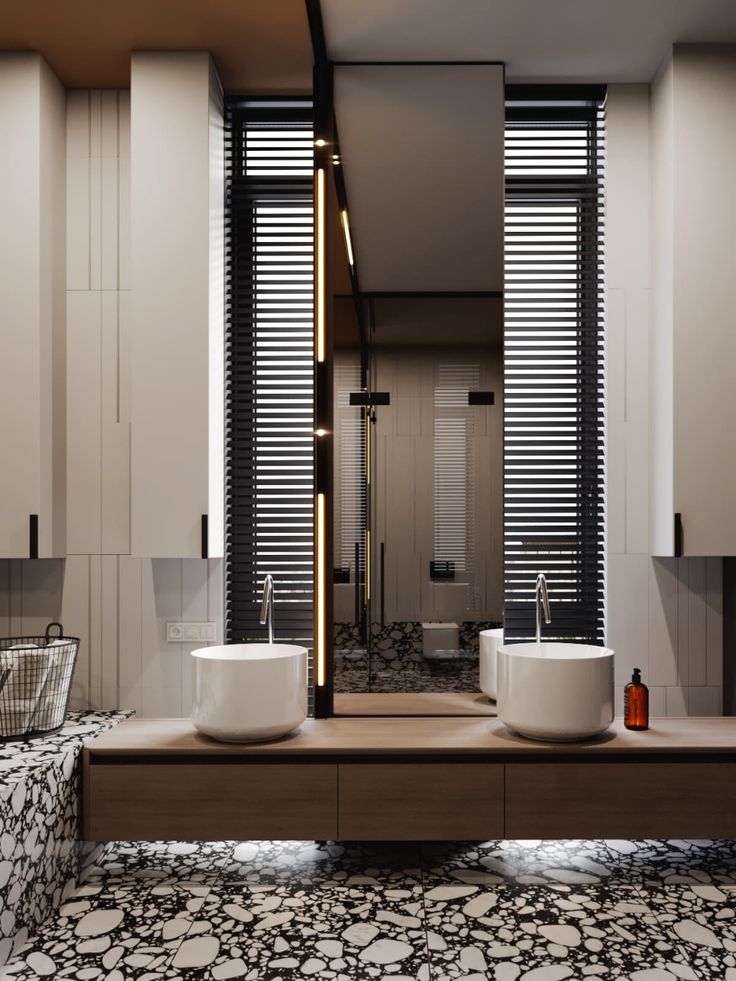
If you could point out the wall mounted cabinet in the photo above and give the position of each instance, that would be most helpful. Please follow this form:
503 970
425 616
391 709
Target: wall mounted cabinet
411 779
177 209
32 309
692 438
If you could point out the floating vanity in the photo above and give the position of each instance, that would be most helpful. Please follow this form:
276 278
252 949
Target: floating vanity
411 779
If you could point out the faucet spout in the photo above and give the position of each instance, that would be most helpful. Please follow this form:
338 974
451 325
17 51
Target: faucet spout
267 606
541 602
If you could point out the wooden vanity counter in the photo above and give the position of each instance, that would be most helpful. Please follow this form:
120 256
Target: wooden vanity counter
411 779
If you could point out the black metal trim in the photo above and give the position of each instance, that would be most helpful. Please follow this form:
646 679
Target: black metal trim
432 295
678 537
523 92
33 536
481 398
414 64
317 30
370 398
205 536
591 757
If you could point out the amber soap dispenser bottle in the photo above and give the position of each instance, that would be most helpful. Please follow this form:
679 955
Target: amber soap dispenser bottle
636 703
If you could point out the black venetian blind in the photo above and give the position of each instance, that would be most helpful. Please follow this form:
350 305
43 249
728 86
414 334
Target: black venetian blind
269 366
554 361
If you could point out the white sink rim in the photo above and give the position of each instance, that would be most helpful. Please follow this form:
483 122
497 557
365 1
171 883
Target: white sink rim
256 651
554 650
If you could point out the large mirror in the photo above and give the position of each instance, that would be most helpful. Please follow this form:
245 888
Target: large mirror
418 492
416 292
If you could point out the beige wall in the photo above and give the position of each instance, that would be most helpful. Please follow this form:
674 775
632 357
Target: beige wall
403 474
664 615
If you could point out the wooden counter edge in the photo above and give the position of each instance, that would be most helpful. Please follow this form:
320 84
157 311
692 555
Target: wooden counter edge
412 736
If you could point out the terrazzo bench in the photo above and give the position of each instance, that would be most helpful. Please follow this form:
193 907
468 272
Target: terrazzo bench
414 779
39 824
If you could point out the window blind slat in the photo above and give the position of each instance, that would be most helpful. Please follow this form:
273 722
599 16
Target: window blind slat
269 343
553 376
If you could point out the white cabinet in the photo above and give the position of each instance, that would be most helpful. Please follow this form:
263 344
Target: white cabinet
32 309
693 427
176 304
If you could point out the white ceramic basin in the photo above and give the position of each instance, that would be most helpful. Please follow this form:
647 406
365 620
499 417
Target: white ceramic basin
490 641
249 692
555 692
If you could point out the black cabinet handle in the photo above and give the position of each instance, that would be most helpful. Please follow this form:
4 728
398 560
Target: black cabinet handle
678 535
33 536
205 536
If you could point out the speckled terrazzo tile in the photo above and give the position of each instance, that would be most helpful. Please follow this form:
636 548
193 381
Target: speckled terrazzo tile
134 929
701 918
311 863
157 861
547 933
277 932
610 862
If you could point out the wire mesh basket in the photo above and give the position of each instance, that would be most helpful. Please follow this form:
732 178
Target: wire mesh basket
35 681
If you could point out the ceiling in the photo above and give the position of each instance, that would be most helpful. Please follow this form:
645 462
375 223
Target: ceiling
259 46
539 40
263 46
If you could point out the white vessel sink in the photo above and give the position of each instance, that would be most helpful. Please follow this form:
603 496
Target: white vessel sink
490 641
555 692
249 692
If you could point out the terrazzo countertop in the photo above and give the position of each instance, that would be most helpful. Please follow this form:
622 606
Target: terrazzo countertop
19 758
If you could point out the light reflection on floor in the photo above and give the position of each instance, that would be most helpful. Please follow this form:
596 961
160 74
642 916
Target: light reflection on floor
533 911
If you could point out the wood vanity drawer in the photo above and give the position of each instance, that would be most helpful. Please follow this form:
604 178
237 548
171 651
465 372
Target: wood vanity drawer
210 801
420 801
621 800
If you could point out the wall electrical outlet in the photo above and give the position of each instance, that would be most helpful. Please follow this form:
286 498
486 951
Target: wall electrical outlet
191 632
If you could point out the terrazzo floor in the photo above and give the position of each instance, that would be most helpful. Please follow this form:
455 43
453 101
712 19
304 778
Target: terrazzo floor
532 911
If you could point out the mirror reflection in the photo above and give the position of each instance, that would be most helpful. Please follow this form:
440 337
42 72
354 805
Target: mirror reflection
418 490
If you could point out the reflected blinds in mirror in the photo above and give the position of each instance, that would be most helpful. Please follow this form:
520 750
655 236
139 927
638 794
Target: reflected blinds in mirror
350 485
454 470
269 344
554 362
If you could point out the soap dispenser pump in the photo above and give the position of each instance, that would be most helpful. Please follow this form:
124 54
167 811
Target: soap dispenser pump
636 703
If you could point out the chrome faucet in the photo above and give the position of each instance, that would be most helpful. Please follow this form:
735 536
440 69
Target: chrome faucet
541 600
267 606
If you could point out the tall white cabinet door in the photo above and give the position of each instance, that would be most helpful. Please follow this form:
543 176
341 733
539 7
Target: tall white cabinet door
693 436
176 221
32 308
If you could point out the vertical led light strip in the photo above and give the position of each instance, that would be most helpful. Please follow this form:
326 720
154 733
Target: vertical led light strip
348 240
320 270
321 585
